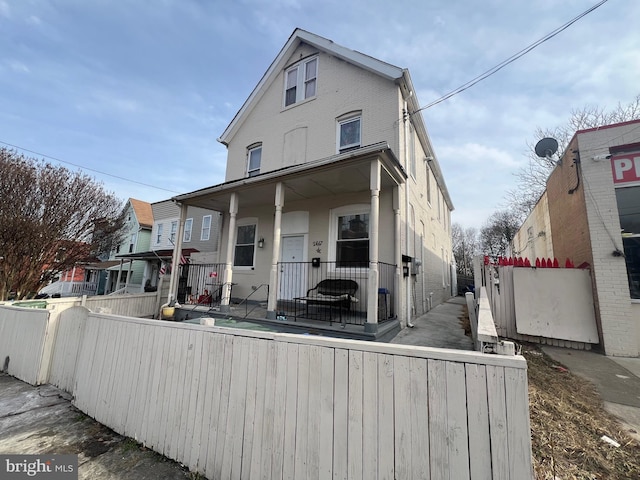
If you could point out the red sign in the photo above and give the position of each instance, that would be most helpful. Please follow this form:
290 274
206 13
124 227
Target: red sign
626 168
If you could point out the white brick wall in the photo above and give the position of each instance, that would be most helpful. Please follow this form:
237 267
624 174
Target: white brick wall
620 323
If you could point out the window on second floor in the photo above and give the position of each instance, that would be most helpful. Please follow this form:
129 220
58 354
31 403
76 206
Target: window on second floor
348 134
188 226
254 159
300 81
159 233
206 228
132 242
174 229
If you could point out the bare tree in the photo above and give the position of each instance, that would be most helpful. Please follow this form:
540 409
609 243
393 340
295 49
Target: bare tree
50 220
531 179
465 246
497 232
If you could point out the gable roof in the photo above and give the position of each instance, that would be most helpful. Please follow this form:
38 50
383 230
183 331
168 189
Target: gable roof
299 36
396 74
143 212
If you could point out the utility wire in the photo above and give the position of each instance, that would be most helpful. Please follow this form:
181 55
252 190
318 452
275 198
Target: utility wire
511 59
87 168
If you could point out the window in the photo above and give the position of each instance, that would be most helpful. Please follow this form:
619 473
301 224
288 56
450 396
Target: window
300 82
132 242
348 134
352 244
439 207
245 246
188 226
174 229
254 158
628 199
159 234
206 228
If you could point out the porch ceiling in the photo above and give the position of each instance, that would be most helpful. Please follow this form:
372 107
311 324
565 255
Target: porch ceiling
348 175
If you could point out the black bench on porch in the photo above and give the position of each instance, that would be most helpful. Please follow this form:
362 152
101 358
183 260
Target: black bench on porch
332 292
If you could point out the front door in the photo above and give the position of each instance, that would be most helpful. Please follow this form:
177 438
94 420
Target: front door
293 273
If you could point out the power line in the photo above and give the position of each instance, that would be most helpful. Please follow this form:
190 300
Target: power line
511 59
87 168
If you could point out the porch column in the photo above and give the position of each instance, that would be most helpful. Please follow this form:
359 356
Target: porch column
119 276
272 302
128 275
177 254
397 238
231 241
374 223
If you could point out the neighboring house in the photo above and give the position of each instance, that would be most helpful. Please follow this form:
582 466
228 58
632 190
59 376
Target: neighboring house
331 175
200 243
590 213
128 276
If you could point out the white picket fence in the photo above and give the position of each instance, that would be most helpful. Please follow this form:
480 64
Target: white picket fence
242 404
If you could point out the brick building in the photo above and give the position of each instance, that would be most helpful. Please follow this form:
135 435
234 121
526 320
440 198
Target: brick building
591 214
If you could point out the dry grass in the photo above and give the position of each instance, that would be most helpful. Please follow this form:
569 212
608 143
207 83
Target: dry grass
567 423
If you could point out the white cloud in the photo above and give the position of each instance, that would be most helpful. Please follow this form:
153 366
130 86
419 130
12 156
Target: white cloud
34 20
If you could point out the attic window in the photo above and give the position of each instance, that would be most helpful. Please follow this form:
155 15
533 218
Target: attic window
300 82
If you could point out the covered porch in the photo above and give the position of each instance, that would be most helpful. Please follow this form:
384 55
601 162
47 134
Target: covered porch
279 241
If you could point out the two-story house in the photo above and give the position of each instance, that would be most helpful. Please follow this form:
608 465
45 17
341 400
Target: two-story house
128 275
331 175
200 243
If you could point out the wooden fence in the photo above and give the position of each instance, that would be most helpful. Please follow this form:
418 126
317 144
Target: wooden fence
243 404
551 306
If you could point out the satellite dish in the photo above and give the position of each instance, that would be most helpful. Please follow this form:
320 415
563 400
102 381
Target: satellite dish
546 147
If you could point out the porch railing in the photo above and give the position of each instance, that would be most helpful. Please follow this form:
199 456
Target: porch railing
200 284
297 278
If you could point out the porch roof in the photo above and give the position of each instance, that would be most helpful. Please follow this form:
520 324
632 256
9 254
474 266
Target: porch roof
155 254
339 174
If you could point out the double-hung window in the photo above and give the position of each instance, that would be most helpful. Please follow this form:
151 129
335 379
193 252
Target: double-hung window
348 134
172 235
245 245
352 244
301 82
188 226
159 233
206 228
254 159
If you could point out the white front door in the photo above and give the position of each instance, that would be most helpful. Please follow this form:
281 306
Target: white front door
293 273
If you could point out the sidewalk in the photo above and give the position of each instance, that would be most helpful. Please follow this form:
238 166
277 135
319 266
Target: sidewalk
617 380
440 327
36 420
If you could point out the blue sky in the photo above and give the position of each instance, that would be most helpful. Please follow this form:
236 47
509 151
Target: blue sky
142 89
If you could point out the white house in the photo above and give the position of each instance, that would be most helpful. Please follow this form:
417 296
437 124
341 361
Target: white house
331 175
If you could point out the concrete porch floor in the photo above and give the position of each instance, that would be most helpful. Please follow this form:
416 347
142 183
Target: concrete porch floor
254 316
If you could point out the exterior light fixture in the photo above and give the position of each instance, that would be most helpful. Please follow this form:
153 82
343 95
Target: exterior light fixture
261 243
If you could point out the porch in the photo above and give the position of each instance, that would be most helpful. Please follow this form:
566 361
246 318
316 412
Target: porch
302 307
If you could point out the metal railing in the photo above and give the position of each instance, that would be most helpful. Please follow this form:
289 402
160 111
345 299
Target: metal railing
298 282
200 284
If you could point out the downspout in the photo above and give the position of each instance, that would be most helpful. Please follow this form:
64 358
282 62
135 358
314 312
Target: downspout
405 118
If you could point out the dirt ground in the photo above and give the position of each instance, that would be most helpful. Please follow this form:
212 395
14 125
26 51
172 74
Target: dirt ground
568 422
